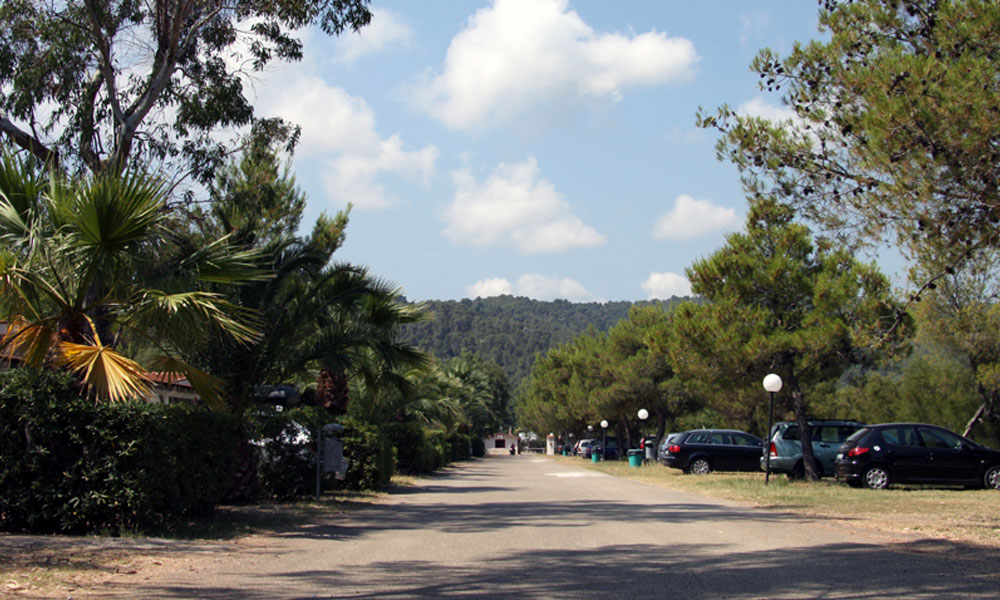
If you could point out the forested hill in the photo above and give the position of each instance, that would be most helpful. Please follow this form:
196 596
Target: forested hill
510 330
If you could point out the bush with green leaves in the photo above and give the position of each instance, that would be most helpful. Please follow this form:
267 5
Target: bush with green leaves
411 447
459 447
369 453
72 465
478 447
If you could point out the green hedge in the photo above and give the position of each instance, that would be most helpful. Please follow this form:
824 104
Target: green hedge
370 455
478 447
459 447
410 444
72 465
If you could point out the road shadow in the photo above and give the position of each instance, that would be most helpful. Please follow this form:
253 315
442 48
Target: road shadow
689 571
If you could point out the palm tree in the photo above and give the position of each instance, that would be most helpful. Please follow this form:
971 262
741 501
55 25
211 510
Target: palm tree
92 274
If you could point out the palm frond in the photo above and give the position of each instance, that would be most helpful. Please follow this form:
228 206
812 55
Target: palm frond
29 342
192 311
220 262
108 374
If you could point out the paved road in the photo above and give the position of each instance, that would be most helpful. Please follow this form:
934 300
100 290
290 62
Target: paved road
529 527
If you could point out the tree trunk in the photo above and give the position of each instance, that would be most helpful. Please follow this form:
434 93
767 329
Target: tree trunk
805 435
985 408
332 392
244 487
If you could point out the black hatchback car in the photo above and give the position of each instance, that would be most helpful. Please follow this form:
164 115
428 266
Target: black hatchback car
915 453
702 451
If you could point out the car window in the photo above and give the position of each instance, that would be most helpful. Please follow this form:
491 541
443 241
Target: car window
845 431
742 439
792 433
900 436
719 437
698 437
937 438
826 433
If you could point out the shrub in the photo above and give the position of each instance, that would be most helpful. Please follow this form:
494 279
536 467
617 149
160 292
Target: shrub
369 453
440 449
478 447
411 447
459 447
69 464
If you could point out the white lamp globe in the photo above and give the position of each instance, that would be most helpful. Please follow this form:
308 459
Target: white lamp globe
772 383
604 424
643 414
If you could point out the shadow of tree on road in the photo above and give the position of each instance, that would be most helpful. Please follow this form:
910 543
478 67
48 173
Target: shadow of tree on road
690 571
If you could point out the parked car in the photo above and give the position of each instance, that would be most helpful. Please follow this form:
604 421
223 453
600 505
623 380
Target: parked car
702 451
611 452
879 455
785 446
582 448
665 443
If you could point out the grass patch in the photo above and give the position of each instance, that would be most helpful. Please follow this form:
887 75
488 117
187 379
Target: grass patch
933 511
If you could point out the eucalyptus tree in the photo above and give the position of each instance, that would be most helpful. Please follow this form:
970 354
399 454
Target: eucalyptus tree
108 84
895 128
778 301
92 272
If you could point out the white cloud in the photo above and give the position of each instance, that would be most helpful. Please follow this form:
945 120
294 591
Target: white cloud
691 218
515 207
532 285
666 285
339 130
525 61
486 288
386 29
758 107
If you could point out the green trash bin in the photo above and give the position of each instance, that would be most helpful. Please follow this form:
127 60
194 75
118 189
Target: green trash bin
595 456
635 458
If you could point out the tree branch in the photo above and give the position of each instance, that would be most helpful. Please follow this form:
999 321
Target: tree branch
29 143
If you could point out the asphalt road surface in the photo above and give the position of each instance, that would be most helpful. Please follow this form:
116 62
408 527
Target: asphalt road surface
529 527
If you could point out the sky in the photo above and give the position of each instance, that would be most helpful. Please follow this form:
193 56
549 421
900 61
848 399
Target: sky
539 148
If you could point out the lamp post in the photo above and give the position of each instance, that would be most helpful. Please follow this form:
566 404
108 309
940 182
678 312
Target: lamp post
604 439
590 434
772 384
643 415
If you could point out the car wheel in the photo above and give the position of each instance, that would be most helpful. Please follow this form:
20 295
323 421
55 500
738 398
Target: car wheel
992 478
798 472
876 478
700 466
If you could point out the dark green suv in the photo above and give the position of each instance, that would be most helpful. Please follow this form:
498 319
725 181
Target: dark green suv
786 446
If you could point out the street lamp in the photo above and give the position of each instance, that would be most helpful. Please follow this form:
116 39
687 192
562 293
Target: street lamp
604 439
643 415
772 384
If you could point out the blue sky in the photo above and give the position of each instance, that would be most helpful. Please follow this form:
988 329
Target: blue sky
541 148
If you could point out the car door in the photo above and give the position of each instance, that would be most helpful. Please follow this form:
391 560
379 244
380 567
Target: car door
904 453
722 451
949 458
746 451
697 442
